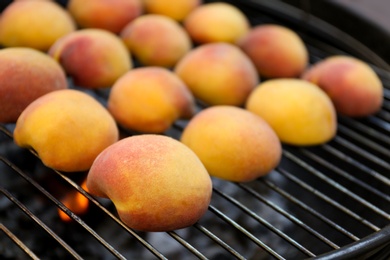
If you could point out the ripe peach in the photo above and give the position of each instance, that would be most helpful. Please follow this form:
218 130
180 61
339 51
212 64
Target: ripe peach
277 51
111 15
155 182
67 128
233 143
353 86
218 74
150 99
156 40
25 75
216 22
94 58
298 111
35 24
175 9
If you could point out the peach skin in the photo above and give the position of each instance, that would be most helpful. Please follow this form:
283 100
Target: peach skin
25 75
156 40
218 74
93 58
67 128
352 85
175 9
155 182
150 99
216 22
34 24
276 51
299 112
233 143
111 15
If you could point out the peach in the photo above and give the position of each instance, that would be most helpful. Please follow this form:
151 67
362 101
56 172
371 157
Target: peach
150 99
299 112
233 143
35 24
155 182
156 40
218 74
175 9
67 128
352 85
111 15
276 51
25 75
216 22
94 58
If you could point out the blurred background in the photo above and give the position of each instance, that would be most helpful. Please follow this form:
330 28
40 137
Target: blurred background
366 20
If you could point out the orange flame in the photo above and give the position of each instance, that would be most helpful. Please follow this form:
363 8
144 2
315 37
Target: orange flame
74 201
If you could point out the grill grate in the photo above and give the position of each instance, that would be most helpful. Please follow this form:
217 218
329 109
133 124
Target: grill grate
325 201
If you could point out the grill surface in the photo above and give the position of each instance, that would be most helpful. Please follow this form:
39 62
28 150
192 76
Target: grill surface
329 201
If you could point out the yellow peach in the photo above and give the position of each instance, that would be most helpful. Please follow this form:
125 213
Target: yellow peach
94 58
25 75
111 15
150 99
352 84
155 182
156 40
35 24
233 143
276 51
216 22
299 112
218 74
67 128
175 9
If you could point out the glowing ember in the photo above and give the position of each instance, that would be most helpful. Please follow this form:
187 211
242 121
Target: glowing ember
74 201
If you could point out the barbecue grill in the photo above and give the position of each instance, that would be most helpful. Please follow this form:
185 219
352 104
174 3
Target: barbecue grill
330 201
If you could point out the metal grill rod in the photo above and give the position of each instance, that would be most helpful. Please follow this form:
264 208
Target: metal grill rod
335 184
77 187
289 216
361 152
63 208
384 115
133 233
244 231
346 175
39 222
175 236
6 131
187 245
17 241
366 141
355 250
265 223
306 207
145 243
379 123
219 241
94 201
112 216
